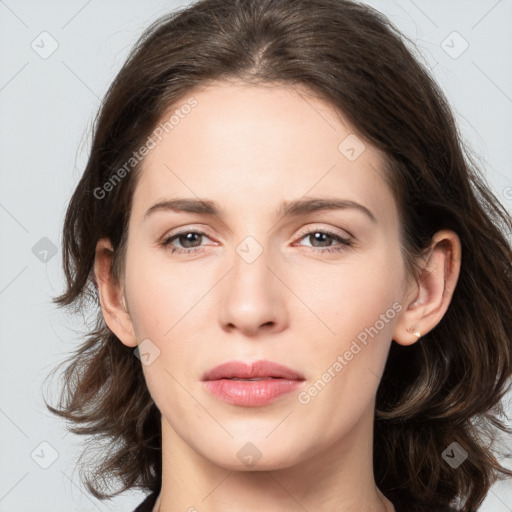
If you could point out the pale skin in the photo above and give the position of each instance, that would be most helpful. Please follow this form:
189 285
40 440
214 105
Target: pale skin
250 149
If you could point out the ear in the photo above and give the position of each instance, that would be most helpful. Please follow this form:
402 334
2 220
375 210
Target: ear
112 300
429 297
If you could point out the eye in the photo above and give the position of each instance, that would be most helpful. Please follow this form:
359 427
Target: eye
325 237
190 241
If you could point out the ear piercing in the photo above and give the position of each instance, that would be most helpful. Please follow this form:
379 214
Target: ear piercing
416 333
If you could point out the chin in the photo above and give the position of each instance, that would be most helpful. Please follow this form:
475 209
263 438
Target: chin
260 454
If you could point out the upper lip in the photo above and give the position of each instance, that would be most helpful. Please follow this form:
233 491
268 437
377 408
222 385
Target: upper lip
256 369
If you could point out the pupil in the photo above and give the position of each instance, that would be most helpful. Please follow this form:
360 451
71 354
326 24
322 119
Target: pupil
188 239
318 237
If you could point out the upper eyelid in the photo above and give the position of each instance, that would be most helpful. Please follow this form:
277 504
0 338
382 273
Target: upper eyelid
185 230
330 230
194 227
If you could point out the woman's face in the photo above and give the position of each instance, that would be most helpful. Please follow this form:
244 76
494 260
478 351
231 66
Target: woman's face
263 280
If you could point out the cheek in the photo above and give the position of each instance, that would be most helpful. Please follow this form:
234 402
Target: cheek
160 295
166 308
346 367
346 298
358 307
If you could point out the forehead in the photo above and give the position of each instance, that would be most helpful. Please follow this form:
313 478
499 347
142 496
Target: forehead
248 146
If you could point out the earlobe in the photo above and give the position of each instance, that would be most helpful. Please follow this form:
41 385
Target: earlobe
112 301
413 330
433 290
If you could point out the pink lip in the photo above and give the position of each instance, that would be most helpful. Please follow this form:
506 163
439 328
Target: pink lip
278 380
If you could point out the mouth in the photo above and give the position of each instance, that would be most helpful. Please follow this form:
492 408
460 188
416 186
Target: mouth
258 378
251 385
258 370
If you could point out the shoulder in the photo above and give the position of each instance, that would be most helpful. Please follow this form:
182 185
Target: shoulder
148 504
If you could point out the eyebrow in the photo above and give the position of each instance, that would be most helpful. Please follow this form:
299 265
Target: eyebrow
288 208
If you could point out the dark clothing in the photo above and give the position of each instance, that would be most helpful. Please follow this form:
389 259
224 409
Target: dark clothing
148 504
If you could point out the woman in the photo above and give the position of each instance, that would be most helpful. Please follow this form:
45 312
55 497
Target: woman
302 279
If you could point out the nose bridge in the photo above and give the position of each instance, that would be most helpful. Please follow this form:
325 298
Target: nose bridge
250 295
250 263
251 276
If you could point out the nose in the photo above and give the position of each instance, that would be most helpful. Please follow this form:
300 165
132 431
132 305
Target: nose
252 298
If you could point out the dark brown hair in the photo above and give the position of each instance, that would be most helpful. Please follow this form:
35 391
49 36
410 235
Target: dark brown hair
447 387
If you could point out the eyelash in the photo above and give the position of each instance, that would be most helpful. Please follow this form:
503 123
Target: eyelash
344 242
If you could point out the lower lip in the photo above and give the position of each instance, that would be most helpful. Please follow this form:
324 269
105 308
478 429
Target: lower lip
251 393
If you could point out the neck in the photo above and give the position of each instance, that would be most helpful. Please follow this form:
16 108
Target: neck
338 478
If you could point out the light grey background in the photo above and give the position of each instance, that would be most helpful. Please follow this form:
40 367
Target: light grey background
47 105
